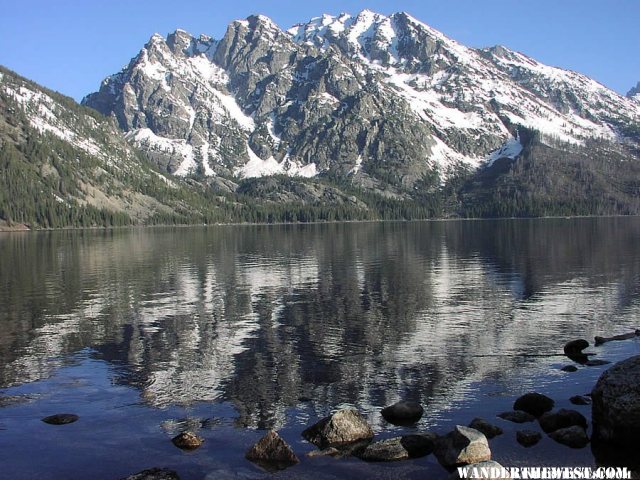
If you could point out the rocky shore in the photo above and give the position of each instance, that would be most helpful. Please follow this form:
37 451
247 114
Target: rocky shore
613 406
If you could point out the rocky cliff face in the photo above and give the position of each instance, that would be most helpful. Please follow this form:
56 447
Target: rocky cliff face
380 100
634 93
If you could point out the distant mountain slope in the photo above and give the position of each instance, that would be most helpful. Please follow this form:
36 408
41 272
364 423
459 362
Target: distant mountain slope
62 164
386 102
65 165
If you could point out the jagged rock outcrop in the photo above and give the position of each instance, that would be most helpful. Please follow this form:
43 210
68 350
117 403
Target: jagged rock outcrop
374 98
634 93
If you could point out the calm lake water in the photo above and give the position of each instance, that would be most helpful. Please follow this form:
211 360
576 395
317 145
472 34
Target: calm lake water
233 330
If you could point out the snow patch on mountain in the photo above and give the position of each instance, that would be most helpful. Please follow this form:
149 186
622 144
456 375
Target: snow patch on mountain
43 114
145 139
257 167
511 149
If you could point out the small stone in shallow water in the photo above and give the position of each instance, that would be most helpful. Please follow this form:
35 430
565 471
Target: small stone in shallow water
272 453
534 403
574 437
187 441
61 419
154 474
485 427
575 347
327 452
596 363
580 400
403 412
517 416
563 418
569 368
528 438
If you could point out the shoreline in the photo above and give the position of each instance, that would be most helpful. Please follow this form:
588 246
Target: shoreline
22 228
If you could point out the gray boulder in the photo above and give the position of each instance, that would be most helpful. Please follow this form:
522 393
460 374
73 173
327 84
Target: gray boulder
534 403
403 412
563 418
462 446
344 427
574 437
272 453
616 403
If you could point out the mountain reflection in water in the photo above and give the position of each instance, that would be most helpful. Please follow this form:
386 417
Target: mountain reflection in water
362 314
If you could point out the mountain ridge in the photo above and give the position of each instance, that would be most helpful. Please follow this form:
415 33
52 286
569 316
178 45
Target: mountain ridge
345 117
349 95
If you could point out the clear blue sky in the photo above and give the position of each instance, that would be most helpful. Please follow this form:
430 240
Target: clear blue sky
71 45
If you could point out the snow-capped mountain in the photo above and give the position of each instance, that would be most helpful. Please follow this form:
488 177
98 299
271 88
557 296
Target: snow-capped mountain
383 99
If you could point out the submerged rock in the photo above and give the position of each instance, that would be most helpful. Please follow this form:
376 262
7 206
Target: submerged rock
385 451
616 403
187 441
563 418
534 403
569 368
272 453
489 430
462 446
574 437
61 419
403 412
341 428
580 400
400 448
327 452
596 363
154 474
517 416
528 438
624 336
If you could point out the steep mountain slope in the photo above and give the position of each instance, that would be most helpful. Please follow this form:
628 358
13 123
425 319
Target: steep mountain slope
387 102
62 164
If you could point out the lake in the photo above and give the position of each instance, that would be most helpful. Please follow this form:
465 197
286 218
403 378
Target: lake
231 330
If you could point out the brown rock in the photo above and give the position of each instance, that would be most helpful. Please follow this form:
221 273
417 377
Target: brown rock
187 441
272 453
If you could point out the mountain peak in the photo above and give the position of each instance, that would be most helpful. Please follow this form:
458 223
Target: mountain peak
634 93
